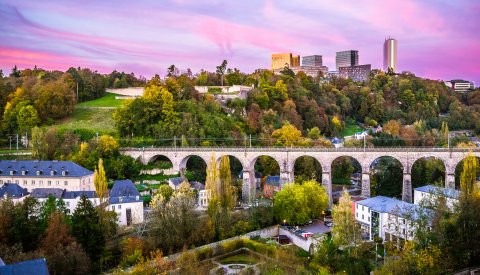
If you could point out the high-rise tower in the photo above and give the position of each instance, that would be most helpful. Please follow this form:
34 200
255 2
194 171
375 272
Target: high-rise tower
390 54
346 59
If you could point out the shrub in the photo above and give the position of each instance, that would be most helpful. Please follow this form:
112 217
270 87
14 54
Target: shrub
204 253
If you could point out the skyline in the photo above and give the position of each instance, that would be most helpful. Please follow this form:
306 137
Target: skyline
436 39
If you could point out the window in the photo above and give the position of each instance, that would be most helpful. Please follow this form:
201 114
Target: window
24 182
113 207
33 182
119 206
363 217
357 214
368 218
8 181
41 182
58 182
67 203
49 182
65 183
16 181
1 181
356 206
404 221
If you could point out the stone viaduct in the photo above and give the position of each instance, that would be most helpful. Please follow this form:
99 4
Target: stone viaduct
286 158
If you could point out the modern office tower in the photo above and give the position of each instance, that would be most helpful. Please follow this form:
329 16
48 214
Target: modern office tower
390 54
312 60
279 60
356 73
346 59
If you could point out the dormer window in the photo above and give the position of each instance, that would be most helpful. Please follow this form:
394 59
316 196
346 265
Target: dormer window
64 173
52 173
12 172
24 173
39 173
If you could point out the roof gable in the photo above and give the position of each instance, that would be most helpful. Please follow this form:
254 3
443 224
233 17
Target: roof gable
35 168
124 188
13 191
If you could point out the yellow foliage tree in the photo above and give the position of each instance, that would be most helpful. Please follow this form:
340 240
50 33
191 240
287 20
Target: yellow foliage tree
107 145
392 127
212 180
288 135
100 181
468 178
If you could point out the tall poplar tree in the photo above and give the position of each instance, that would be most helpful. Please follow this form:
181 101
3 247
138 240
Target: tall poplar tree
100 181
345 230
468 178
211 182
225 191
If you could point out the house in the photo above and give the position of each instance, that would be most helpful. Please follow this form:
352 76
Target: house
197 186
125 200
37 267
14 192
203 197
71 198
431 193
337 143
388 218
361 135
31 174
175 182
258 178
271 186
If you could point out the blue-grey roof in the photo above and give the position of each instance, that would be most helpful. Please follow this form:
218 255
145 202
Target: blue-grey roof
117 200
273 180
13 191
43 193
77 194
393 206
432 189
37 266
197 185
176 181
19 168
124 188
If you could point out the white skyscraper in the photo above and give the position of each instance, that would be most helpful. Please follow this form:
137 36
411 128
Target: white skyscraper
390 54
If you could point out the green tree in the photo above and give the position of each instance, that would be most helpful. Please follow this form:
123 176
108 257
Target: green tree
226 190
87 230
346 230
468 178
38 144
27 118
221 70
48 207
166 191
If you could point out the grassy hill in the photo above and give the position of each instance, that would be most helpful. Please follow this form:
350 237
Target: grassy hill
106 101
92 116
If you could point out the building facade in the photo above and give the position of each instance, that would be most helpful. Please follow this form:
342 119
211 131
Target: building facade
125 200
460 86
358 73
346 59
31 174
271 186
430 194
312 60
280 60
390 54
388 218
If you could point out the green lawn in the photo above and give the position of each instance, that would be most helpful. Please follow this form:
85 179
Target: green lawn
242 258
106 101
92 119
351 129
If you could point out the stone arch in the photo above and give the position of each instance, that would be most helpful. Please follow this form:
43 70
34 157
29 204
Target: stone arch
234 162
358 167
396 178
158 156
416 178
318 174
458 170
183 162
240 160
251 162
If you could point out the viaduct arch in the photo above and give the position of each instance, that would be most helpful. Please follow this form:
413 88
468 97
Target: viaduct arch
286 157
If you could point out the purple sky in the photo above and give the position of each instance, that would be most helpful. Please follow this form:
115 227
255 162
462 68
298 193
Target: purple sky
438 39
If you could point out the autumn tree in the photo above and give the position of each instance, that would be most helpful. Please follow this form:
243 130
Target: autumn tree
64 255
288 135
346 230
468 178
100 181
392 127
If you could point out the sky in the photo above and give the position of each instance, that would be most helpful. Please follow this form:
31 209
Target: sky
437 39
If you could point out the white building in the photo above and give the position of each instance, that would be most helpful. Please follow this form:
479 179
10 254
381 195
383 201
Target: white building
176 182
429 194
125 200
388 218
203 197
13 192
31 174
71 198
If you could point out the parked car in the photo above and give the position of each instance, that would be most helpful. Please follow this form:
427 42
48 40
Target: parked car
329 224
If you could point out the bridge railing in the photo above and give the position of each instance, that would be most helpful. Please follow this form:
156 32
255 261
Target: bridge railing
302 149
